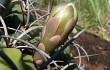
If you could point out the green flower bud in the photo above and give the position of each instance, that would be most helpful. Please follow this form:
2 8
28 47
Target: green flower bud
61 22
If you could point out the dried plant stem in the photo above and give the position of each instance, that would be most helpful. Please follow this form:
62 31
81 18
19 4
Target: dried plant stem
38 19
28 12
5 30
24 33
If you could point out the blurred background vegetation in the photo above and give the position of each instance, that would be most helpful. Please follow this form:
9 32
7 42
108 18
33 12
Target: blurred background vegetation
92 14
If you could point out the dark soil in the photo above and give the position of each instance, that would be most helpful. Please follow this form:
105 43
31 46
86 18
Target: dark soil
95 45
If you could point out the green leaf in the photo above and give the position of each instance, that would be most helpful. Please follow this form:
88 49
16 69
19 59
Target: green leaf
22 62
67 51
28 62
74 30
15 55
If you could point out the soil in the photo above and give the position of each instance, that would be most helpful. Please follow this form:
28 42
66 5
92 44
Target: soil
94 45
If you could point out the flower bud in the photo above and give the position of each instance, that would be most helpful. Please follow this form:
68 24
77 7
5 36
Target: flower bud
61 22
